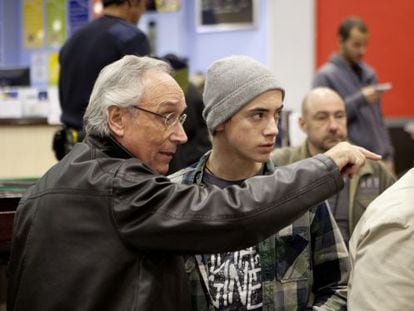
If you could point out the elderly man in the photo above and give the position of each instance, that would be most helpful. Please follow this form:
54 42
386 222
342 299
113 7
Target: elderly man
324 122
104 229
304 265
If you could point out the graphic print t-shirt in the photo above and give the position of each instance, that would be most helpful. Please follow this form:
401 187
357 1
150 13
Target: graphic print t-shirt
234 278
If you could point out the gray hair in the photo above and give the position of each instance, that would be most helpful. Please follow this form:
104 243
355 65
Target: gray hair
118 84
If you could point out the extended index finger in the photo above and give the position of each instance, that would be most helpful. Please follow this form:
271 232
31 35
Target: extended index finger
369 154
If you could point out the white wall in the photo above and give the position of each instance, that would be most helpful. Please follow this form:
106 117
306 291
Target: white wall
172 30
290 46
283 39
291 53
177 33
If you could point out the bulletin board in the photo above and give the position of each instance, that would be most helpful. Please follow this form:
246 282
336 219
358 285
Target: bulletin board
390 46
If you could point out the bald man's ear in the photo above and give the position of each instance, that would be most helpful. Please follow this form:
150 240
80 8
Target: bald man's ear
302 124
116 120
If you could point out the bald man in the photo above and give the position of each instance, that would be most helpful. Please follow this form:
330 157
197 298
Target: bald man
324 122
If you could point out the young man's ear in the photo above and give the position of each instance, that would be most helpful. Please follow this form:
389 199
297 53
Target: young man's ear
116 120
219 128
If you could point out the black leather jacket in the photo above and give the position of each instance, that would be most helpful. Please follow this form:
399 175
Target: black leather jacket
102 231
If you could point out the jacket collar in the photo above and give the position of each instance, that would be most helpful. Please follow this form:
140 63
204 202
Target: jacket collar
339 61
195 175
110 146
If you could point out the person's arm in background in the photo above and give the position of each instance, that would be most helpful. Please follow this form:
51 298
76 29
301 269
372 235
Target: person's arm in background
357 102
373 98
139 46
388 156
330 262
135 43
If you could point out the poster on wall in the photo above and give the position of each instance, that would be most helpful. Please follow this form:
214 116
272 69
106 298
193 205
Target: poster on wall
78 14
55 22
39 67
53 68
167 5
33 34
218 15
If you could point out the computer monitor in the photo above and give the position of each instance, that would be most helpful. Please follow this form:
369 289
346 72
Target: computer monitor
14 76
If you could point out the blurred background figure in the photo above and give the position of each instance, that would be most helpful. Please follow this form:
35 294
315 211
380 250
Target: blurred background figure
356 82
198 80
323 120
195 127
81 58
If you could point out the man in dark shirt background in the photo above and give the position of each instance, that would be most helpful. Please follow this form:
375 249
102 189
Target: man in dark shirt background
356 82
81 58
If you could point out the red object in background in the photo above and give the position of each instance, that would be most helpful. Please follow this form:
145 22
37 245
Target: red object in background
390 46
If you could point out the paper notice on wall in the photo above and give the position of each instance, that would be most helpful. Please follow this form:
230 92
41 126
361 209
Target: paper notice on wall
39 65
54 106
55 22
53 68
78 14
44 68
10 104
33 34
167 5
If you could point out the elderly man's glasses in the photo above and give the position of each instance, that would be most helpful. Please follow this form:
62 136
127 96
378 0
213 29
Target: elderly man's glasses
170 119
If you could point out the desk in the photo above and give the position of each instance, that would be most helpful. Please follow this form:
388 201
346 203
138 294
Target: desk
26 147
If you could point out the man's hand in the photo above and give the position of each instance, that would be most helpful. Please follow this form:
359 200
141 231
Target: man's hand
371 94
350 158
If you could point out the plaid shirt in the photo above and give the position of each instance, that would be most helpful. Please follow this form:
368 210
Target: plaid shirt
305 266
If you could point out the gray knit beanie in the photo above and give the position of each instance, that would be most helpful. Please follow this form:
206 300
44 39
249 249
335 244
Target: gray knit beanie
231 83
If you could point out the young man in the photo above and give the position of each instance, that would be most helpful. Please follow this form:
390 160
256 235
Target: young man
355 82
323 120
303 265
104 229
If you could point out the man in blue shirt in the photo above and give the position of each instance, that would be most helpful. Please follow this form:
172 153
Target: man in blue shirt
356 83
